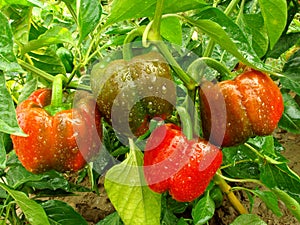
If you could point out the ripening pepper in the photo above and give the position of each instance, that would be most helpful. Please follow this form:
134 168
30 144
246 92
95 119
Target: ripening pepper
60 137
130 93
178 165
234 110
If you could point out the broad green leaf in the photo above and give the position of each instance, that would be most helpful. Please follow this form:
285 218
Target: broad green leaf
112 219
88 13
204 210
253 26
290 119
8 118
282 177
32 210
8 61
54 35
283 44
20 23
289 202
27 89
48 61
52 180
291 79
242 162
270 199
171 30
2 151
61 213
21 2
128 192
126 9
275 17
228 35
248 219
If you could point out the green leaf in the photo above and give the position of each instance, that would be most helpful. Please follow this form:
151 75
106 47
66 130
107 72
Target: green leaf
21 2
283 44
88 13
61 213
8 119
2 151
275 17
27 89
204 210
48 61
289 202
8 61
253 26
128 192
171 30
32 210
248 219
228 35
270 199
126 9
54 35
242 162
20 23
282 177
112 219
290 119
291 79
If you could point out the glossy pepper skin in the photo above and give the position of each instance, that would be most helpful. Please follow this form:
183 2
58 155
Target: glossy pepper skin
182 167
130 93
234 110
64 141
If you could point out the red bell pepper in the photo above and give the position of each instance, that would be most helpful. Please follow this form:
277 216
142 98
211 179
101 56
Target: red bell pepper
60 136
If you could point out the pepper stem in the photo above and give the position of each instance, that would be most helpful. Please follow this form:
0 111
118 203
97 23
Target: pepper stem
228 191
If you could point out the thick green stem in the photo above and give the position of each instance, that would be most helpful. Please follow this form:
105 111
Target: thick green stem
48 76
155 28
219 180
138 32
57 90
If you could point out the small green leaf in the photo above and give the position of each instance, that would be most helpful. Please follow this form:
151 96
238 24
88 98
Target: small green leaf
21 2
171 30
270 199
128 192
54 35
48 61
275 18
291 80
8 118
2 151
112 219
227 34
8 61
126 9
27 89
248 219
204 210
290 119
61 213
89 14
253 25
289 202
284 43
32 210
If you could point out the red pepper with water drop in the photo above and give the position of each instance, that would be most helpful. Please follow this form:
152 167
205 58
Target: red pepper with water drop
63 130
180 166
234 110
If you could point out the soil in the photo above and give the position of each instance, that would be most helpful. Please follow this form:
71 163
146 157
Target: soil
94 207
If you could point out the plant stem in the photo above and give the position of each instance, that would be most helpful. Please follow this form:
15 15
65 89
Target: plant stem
57 89
127 53
219 180
48 76
211 43
155 28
